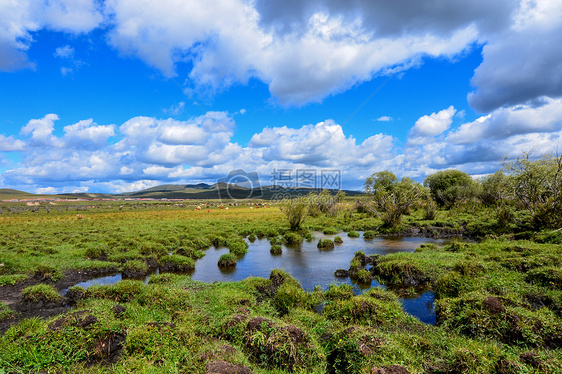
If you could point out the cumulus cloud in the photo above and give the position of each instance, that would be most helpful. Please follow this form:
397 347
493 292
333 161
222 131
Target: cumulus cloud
523 62
146 151
506 122
9 144
20 18
479 146
227 44
431 125
86 132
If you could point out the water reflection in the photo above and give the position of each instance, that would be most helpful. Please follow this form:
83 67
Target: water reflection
306 263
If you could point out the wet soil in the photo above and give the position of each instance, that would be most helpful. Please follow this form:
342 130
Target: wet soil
11 296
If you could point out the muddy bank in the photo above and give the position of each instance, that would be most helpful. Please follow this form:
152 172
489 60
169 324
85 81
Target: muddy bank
11 295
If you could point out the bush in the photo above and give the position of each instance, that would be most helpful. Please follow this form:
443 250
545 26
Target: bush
227 260
330 231
353 234
325 244
290 296
364 276
292 238
276 249
338 240
369 235
239 247
40 293
341 292
450 187
296 211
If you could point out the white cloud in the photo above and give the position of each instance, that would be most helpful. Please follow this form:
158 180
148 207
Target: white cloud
64 52
87 132
41 131
385 119
429 126
20 18
506 122
227 44
9 144
523 62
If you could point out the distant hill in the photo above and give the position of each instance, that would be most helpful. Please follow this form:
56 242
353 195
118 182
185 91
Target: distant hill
221 191
186 191
9 194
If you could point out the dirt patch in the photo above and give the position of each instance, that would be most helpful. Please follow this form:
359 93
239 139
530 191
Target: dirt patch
532 359
392 369
119 310
223 367
80 318
11 296
494 305
108 348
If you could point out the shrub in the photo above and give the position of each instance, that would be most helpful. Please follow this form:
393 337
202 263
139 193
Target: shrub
338 240
330 231
289 296
325 244
292 238
238 247
296 211
276 249
227 260
353 234
450 187
369 235
364 276
252 237
341 292
40 293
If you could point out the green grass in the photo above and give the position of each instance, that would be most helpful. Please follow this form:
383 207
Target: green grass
40 293
499 301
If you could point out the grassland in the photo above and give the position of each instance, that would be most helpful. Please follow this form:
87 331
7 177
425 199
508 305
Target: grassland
499 299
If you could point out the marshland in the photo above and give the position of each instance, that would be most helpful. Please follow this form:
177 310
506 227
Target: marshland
319 283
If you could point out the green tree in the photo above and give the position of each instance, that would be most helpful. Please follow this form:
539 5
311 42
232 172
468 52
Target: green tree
495 189
537 183
450 187
390 198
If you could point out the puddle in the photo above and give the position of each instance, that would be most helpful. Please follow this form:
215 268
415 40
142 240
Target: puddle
306 263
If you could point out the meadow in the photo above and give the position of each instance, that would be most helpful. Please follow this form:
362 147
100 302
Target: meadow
498 294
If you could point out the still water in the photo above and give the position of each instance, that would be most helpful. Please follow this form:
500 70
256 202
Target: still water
309 265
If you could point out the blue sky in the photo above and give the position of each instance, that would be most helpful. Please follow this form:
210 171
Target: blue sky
98 95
